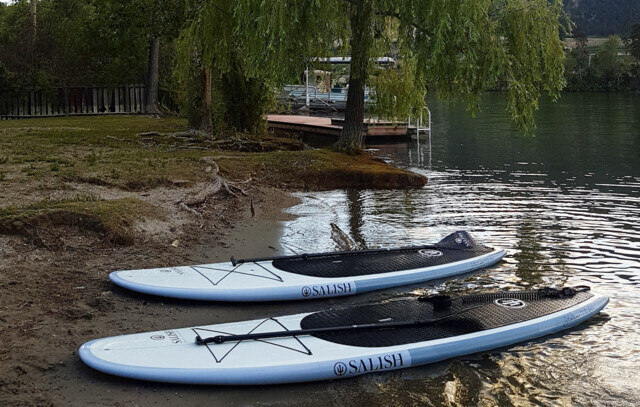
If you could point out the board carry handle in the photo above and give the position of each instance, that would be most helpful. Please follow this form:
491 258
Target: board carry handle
564 291
462 235
332 329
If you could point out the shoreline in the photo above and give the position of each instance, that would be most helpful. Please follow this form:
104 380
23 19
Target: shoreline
39 362
69 218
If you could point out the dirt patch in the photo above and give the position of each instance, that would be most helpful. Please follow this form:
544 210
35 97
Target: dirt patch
112 219
55 293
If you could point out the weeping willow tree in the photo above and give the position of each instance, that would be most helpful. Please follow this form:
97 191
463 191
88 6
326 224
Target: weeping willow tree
460 48
232 55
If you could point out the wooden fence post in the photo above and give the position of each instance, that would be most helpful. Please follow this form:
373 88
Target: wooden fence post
65 107
143 97
127 99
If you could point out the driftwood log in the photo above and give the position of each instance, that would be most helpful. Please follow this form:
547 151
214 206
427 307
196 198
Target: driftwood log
343 240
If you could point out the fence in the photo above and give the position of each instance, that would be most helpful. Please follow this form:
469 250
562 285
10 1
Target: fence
72 100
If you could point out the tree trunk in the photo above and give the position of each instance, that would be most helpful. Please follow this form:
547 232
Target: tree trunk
33 22
205 101
33 25
361 42
152 76
199 110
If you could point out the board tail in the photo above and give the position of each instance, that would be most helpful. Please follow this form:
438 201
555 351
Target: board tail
458 240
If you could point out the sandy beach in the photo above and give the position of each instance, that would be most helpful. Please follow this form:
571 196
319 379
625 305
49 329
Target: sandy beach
53 301
82 197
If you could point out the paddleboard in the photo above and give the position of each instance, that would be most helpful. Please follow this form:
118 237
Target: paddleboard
312 276
342 343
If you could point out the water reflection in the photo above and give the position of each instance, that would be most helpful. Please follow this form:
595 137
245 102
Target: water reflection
566 206
356 220
529 256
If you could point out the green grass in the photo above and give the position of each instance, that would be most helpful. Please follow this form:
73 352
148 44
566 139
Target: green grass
108 151
105 150
113 218
42 157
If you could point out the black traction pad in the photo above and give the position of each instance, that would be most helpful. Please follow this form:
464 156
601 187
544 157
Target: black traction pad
361 264
469 314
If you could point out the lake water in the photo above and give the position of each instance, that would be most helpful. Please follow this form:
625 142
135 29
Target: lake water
565 204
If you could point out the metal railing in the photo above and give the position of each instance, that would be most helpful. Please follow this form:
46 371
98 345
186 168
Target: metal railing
301 92
419 121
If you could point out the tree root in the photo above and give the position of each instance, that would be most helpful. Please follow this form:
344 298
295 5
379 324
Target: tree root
179 135
216 186
184 207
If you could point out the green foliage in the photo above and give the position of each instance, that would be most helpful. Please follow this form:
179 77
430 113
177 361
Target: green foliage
611 69
281 38
188 78
14 44
610 66
606 59
534 57
83 42
396 93
579 56
460 48
216 38
242 101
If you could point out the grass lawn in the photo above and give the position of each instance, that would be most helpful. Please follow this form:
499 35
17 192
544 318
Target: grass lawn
45 162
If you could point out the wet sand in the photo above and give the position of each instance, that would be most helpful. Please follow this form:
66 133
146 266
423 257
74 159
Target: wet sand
53 301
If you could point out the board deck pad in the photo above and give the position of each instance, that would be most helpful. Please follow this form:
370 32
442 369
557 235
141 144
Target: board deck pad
468 314
359 264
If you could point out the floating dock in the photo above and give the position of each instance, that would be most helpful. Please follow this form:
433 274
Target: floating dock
332 127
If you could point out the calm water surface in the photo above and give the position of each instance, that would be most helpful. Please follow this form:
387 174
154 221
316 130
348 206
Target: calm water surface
565 205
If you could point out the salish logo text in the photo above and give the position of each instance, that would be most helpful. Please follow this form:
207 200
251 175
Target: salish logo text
372 364
326 289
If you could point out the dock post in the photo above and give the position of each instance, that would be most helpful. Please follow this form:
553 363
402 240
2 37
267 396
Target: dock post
306 71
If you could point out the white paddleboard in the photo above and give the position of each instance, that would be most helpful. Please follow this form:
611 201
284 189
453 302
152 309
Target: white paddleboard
424 332
312 276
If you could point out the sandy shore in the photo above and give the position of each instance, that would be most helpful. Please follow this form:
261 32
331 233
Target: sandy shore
56 297
81 197
53 301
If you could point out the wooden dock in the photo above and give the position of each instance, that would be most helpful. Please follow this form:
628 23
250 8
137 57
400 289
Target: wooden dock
326 126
